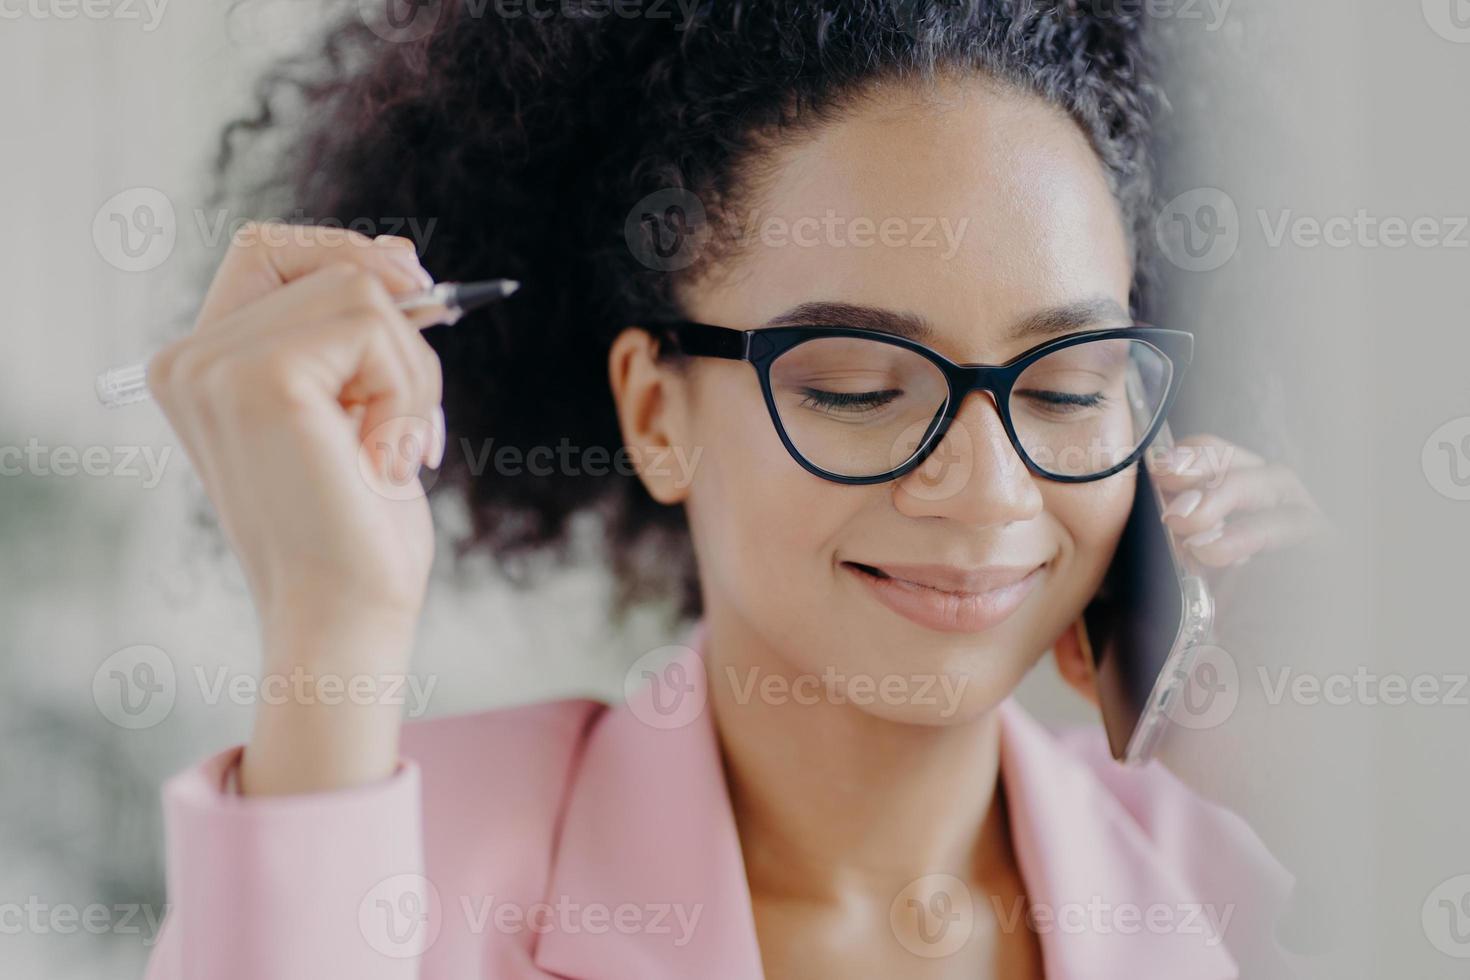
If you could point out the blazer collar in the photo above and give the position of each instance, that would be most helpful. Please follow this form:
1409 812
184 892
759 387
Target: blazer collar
648 834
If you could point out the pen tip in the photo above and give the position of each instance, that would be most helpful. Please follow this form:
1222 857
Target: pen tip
472 295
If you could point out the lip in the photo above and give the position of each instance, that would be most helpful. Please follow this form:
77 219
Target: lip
947 598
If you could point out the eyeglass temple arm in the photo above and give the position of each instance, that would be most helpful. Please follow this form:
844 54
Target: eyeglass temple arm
704 340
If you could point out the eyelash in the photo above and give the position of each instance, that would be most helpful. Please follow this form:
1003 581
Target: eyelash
1065 399
864 400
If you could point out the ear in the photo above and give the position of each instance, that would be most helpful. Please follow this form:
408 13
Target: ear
1073 652
651 411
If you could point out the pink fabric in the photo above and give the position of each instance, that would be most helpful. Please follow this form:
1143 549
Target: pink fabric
575 840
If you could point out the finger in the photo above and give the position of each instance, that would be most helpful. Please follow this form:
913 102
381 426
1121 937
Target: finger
396 378
1254 488
414 435
362 353
1199 460
1249 534
405 423
266 255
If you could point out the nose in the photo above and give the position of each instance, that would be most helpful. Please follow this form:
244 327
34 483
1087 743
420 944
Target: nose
974 475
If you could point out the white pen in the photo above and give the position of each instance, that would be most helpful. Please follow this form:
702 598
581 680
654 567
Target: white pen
126 385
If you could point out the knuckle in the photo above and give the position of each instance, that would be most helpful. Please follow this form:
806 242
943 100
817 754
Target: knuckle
363 292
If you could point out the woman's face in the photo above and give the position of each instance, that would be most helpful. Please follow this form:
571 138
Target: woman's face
994 212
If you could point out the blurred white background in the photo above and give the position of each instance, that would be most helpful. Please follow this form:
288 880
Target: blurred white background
1281 112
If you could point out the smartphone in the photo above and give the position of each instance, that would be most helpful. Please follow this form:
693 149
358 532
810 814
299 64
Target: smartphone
1149 617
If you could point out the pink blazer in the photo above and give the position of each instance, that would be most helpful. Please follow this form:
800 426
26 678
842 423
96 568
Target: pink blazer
577 840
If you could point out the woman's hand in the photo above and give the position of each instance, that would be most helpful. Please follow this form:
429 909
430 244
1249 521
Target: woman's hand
307 403
1226 504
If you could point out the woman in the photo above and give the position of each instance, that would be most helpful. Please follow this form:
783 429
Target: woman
831 779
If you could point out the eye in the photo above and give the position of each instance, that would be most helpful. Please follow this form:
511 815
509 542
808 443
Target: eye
1062 404
849 403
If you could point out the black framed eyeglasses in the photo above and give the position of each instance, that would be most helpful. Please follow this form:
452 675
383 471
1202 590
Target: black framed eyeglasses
859 407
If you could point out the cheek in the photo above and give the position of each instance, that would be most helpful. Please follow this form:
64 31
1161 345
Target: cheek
765 528
1092 515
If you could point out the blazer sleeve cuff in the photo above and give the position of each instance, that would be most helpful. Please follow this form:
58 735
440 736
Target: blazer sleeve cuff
288 887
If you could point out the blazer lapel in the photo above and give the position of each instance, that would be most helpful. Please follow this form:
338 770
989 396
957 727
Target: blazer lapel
1109 903
649 834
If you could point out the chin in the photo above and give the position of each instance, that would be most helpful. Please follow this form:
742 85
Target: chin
931 678
940 700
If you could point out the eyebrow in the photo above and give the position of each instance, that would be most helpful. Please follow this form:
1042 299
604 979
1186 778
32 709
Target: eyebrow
1050 322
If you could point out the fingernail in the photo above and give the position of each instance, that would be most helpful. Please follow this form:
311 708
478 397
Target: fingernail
1184 504
1206 537
438 438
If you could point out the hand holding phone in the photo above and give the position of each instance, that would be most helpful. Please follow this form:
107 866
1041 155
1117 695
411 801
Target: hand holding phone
1157 605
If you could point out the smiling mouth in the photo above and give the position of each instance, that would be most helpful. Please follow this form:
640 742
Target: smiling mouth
955 581
949 599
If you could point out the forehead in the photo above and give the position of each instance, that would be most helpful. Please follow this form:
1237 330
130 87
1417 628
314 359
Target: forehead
966 204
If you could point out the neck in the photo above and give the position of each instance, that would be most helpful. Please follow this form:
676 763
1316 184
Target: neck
830 799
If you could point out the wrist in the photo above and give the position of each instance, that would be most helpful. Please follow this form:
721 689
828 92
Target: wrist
330 630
